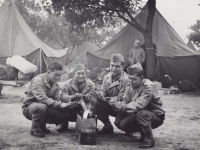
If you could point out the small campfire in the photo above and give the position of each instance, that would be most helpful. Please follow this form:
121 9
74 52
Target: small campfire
86 124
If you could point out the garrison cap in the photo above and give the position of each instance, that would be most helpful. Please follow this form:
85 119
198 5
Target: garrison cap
117 58
79 67
137 41
135 68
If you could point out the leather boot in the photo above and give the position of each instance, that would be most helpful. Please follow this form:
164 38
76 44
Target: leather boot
107 129
35 131
43 128
149 140
142 138
62 127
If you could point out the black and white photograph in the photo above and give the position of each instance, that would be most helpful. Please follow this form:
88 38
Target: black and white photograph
99 74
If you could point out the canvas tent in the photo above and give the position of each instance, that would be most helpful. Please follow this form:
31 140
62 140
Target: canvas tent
78 54
174 57
17 38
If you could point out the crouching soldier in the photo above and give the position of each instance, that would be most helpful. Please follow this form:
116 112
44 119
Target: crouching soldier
42 104
142 109
112 89
74 89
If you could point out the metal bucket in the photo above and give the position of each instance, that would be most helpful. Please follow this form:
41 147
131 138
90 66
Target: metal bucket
86 130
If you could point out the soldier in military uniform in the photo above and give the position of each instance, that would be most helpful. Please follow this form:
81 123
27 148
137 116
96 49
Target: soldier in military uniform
112 89
74 89
42 104
136 54
141 109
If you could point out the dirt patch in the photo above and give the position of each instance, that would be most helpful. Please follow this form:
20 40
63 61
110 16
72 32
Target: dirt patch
180 130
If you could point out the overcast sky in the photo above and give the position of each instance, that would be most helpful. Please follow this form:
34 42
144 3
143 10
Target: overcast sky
181 14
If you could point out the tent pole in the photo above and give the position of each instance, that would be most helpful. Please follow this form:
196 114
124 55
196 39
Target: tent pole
10 33
85 58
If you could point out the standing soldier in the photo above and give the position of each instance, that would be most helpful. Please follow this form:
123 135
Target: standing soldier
136 54
42 104
141 109
112 89
74 89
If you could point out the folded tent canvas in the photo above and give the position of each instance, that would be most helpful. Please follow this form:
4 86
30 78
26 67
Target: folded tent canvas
174 57
17 38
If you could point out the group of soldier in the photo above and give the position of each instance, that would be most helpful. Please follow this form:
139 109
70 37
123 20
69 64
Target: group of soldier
129 97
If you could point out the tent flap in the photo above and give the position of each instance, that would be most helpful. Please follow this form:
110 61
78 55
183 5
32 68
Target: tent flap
180 68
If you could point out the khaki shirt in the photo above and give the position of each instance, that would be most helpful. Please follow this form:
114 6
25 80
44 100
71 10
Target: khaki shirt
115 89
144 97
136 55
70 89
39 90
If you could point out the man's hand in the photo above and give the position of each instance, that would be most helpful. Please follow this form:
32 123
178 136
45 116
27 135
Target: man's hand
106 99
64 105
117 105
112 101
72 104
76 97
69 105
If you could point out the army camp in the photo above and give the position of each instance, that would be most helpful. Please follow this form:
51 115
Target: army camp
99 74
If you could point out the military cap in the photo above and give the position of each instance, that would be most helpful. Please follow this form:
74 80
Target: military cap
117 58
79 67
137 41
135 68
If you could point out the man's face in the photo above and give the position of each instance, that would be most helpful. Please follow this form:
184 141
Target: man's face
135 81
136 44
116 68
54 76
79 76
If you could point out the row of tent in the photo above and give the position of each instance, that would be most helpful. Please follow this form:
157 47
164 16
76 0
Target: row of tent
174 57
17 38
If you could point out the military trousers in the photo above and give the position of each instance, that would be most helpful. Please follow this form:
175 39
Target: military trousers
41 113
103 110
133 122
74 111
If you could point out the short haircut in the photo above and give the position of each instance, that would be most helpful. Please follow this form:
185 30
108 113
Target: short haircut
122 62
55 66
140 74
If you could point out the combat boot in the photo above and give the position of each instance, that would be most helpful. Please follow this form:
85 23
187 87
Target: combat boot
107 129
149 141
142 138
35 131
43 128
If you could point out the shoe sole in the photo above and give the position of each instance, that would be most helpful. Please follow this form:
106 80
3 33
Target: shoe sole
37 135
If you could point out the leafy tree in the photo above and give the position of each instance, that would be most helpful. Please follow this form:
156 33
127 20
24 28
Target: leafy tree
195 35
58 32
94 13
